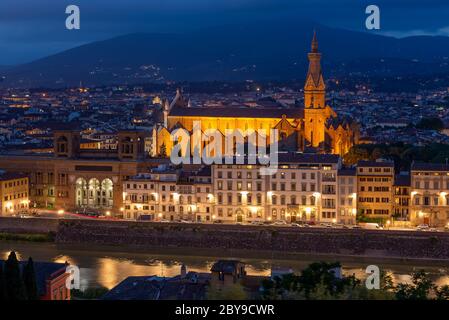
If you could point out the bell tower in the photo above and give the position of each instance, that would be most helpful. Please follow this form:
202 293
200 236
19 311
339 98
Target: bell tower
314 99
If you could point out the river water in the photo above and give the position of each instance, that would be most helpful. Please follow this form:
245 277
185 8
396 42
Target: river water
100 267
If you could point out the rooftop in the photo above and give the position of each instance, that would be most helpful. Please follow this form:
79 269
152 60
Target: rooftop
364 163
237 112
422 166
11 176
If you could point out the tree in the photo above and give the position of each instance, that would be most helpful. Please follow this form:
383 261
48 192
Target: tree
228 292
2 284
15 289
419 289
319 279
355 154
29 279
442 293
430 124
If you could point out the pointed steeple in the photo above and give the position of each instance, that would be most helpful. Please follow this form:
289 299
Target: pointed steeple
314 88
314 43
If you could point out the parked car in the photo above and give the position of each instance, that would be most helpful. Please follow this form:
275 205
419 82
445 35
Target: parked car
423 227
218 221
370 225
279 223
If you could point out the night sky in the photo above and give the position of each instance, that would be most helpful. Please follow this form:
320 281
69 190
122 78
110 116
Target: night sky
30 29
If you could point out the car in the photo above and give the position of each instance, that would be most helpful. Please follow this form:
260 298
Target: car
423 227
164 220
294 224
185 221
356 227
279 223
218 221
257 223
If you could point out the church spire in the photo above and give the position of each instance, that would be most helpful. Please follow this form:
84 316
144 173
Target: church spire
314 43
314 88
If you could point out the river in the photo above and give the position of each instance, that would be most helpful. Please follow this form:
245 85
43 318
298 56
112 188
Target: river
106 267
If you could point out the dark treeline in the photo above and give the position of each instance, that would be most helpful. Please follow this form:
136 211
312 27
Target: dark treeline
322 281
402 154
17 284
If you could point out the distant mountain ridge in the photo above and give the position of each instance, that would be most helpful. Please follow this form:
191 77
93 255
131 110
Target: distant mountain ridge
260 51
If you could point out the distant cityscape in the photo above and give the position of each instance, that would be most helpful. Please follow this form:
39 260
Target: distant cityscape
207 166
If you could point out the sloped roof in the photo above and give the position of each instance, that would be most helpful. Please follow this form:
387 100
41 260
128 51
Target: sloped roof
237 112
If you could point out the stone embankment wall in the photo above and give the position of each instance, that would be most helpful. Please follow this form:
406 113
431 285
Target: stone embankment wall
28 225
369 243
142 235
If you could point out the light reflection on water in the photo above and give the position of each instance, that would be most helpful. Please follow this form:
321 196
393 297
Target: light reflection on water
108 268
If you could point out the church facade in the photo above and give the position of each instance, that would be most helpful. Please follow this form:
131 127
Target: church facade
314 125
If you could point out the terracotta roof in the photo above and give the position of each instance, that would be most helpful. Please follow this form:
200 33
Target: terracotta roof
236 112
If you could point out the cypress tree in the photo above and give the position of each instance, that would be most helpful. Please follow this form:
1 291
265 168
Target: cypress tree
15 289
2 284
29 279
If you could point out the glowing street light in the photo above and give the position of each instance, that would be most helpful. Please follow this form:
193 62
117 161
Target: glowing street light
61 212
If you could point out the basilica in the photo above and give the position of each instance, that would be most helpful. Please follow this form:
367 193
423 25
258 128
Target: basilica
312 126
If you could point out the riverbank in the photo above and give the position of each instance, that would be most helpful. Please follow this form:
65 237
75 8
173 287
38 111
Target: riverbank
27 237
267 241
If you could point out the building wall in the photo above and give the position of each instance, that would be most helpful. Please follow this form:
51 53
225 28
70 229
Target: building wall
375 191
238 193
53 181
14 196
347 198
429 198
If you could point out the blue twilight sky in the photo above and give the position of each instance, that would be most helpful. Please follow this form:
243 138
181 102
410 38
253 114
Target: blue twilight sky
30 29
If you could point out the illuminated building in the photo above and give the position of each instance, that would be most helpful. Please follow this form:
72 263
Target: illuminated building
429 194
14 190
375 188
315 124
73 178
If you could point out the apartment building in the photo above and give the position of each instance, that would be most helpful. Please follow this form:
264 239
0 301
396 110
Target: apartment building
14 191
401 196
304 188
151 195
168 193
429 194
347 195
375 181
